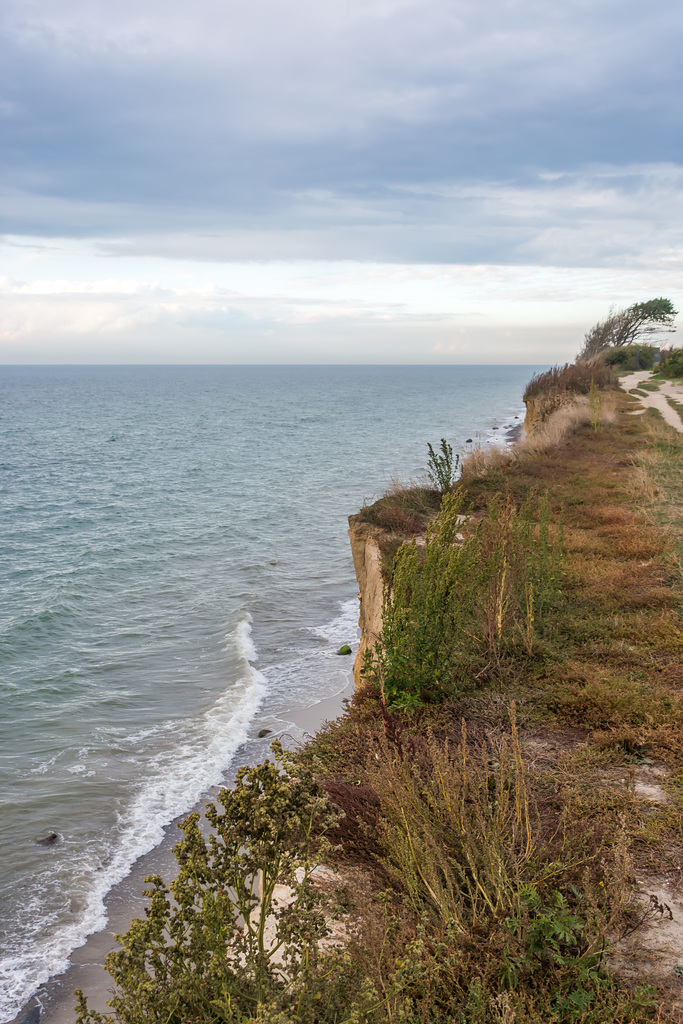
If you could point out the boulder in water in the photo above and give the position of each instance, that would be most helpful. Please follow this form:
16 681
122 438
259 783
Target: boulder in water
51 839
344 649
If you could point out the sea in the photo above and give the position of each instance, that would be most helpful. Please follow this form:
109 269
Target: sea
175 574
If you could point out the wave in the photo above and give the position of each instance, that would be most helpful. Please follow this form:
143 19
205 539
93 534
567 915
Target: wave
176 780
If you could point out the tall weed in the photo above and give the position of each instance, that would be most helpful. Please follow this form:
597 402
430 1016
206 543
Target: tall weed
458 830
468 600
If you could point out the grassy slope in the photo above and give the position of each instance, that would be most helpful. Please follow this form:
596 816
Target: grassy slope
597 714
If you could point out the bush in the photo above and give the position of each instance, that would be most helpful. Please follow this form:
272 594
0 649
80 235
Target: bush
203 953
403 509
673 365
631 357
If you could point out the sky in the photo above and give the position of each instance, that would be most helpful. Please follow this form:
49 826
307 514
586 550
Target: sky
385 181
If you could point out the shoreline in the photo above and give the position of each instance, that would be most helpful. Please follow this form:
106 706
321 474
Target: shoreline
54 999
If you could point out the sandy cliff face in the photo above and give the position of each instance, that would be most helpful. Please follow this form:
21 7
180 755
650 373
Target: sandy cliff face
367 561
539 408
533 415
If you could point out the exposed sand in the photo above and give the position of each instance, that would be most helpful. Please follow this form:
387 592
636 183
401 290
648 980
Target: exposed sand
657 399
124 902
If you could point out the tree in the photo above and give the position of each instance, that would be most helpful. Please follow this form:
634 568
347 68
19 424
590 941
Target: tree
627 326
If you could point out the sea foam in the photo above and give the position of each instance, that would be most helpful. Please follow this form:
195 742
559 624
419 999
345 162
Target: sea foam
176 779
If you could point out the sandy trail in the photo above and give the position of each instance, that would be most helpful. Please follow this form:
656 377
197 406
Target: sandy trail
657 399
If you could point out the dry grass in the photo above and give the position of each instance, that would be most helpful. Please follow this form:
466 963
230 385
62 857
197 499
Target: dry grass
404 509
559 426
575 378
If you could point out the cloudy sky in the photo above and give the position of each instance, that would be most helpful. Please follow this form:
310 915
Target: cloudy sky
376 181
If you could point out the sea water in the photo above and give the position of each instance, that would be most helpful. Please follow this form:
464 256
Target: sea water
174 571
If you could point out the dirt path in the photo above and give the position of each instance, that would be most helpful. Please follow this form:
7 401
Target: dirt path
657 399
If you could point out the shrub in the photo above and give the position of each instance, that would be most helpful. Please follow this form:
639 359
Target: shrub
403 509
203 953
574 378
631 357
673 365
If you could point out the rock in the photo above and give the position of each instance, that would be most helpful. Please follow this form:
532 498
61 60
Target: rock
31 1016
494 428
468 441
344 649
49 840
264 732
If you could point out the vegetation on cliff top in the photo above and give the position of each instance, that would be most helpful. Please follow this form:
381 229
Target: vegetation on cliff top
572 379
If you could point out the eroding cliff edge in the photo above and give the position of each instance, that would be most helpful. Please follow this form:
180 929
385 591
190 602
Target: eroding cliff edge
367 544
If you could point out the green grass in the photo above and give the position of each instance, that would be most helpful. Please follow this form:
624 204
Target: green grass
676 406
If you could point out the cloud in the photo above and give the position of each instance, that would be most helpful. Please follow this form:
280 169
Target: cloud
355 180
352 129
314 312
602 216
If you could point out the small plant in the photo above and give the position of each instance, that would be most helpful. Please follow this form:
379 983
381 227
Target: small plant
457 827
442 469
595 402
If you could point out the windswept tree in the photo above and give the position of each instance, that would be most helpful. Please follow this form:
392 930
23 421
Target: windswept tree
628 326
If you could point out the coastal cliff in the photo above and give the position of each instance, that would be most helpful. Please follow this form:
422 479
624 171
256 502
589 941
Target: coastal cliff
366 549
559 387
535 414
540 407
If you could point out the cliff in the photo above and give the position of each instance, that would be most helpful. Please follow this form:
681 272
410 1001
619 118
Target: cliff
540 407
366 548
